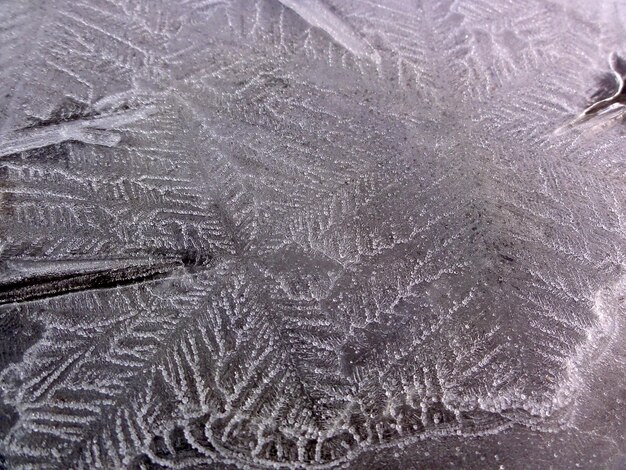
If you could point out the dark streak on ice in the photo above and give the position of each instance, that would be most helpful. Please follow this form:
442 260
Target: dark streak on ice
25 281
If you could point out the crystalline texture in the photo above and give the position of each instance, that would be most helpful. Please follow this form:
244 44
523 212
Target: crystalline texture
312 234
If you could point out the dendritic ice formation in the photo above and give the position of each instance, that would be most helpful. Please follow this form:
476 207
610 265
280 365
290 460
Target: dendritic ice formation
312 234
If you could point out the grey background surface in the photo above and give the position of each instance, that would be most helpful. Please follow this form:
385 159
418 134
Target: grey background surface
312 234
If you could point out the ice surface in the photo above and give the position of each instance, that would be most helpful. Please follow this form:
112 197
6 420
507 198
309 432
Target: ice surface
312 234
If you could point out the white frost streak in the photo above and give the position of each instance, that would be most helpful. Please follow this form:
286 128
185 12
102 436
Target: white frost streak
318 15
98 131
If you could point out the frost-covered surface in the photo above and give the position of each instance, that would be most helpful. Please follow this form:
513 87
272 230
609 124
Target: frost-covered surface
312 234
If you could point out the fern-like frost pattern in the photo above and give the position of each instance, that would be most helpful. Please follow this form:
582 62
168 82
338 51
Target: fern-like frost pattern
285 234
